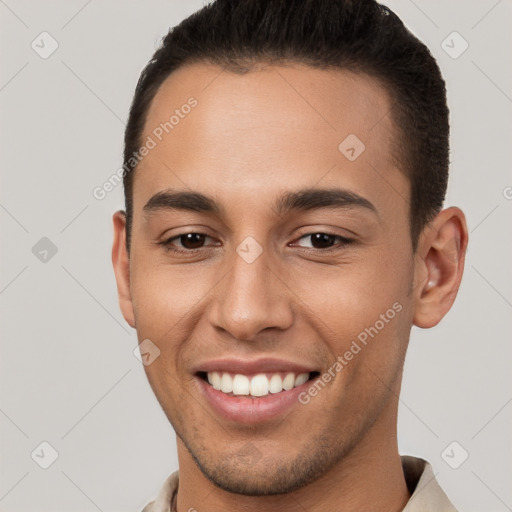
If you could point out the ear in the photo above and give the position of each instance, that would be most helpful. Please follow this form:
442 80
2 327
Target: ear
121 262
439 266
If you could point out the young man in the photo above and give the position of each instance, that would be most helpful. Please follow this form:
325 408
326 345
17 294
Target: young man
286 164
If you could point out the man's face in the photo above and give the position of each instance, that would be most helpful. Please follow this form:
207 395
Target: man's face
266 291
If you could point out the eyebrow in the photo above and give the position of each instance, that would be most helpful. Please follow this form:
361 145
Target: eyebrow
300 200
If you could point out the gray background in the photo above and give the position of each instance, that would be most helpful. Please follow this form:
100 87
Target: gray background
67 369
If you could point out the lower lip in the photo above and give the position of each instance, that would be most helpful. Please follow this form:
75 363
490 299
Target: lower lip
243 409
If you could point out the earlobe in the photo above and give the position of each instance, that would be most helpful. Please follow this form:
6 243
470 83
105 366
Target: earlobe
439 266
121 263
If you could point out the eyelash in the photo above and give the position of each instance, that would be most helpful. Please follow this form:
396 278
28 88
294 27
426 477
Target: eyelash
166 244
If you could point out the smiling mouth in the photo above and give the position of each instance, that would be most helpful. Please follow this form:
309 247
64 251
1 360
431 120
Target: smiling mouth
257 385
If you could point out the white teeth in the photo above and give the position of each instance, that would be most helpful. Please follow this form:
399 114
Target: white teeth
259 385
301 378
275 384
214 379
289 381
241 385
226 383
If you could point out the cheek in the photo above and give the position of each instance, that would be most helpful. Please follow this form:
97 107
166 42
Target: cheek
353 296
164 296
362 310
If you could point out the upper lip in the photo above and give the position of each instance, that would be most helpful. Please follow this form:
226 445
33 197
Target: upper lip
252 366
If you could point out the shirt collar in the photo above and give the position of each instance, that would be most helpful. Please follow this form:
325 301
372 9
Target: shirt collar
426 493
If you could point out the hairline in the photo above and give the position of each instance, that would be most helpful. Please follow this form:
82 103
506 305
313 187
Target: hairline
399 155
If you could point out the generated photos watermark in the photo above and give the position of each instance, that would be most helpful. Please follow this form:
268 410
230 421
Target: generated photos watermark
151 142
355 348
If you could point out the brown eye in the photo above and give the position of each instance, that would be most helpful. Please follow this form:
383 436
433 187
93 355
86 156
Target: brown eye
185 243
324 241
192 240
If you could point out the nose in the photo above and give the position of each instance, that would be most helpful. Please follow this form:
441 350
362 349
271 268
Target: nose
252 297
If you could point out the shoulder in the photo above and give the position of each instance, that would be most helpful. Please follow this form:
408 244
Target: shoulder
426 493
164 498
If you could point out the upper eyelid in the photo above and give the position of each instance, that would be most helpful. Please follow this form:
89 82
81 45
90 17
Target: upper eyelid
344 239
299 237
168 240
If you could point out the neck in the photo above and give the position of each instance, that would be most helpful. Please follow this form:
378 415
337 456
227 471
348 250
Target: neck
370 477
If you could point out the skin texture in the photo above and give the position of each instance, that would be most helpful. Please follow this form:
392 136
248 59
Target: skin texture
250 139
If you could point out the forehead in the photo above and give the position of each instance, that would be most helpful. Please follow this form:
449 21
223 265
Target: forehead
275 127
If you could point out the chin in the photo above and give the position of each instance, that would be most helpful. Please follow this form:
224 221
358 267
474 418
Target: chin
248 472
255 482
